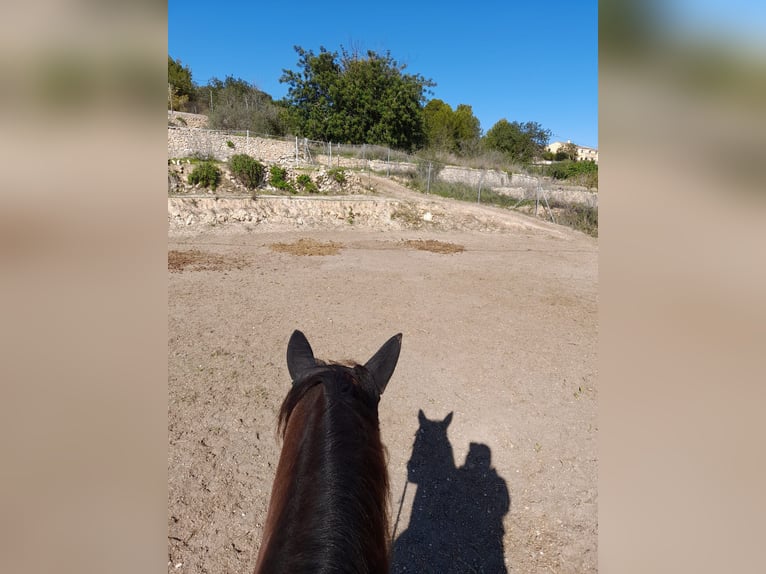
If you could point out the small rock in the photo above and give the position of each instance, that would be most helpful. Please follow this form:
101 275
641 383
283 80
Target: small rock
428 216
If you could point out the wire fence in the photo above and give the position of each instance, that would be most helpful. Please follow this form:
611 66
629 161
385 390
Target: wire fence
425 174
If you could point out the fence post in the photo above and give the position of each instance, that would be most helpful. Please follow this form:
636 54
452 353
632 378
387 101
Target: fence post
428 184
247 138
330 164
537 198
478 197
388 163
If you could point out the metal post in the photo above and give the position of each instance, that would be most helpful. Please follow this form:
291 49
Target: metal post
388 163
537 198
247 137
330 164
545 198
428 184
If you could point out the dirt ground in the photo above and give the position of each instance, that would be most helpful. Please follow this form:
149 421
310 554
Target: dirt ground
500 340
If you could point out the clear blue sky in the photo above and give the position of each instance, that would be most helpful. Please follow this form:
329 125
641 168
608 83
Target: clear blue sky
523 61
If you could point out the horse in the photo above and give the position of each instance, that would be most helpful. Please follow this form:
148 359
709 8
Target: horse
328 510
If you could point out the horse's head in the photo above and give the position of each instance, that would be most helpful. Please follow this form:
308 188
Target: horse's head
431 452
329 504
364 382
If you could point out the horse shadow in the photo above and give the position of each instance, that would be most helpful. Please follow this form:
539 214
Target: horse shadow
456 523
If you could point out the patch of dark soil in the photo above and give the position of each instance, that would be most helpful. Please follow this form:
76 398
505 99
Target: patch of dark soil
434 246
195 260
308 247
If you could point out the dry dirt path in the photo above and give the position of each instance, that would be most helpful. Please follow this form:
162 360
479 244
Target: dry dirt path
502 335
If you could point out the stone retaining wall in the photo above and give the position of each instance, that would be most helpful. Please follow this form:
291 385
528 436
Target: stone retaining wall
294 211
558 195
186 142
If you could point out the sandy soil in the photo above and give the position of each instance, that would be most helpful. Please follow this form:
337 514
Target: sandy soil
501 334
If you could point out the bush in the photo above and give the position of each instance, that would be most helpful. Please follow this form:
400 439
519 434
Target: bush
304 180
580 217
579 172
246 170
278 179
338 174
230 143
207 174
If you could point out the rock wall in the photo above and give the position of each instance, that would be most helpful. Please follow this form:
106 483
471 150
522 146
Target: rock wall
186 142
554 195
293 211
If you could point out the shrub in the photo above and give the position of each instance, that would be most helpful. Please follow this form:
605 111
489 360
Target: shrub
304 180
278 179
246 170
579 172
207 174
230 143
338 174
580 217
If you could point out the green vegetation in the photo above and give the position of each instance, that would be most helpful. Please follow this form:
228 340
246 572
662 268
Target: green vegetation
519 142
337 174
180 86
583 173
367 98
278 179
306 184
352 98
451 131
247 170
207 174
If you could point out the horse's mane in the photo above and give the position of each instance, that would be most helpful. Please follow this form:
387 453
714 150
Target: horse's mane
339 519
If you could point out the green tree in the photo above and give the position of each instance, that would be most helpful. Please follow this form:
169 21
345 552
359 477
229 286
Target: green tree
437 116
180 85
455 131
351 98
520 142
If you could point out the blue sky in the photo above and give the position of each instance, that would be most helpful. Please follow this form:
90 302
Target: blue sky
523 61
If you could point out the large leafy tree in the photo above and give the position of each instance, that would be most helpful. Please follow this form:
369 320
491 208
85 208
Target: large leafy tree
520 142
456 131
350 98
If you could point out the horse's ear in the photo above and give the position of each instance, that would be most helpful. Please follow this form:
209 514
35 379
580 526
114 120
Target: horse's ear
447 420
421 417
300 357
382 364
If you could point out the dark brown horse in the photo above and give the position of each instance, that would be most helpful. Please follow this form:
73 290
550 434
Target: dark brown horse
329 502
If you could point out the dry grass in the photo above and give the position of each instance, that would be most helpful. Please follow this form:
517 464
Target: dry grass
308 247
434 246
202 261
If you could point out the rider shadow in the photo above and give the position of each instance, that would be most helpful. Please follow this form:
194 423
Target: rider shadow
456 523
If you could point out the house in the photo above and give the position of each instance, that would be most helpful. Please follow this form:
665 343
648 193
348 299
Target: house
583 153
